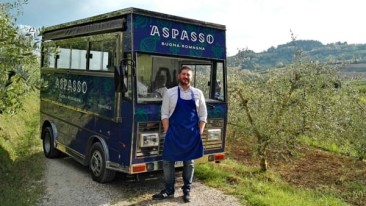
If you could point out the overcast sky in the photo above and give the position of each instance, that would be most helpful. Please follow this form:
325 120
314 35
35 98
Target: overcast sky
253 24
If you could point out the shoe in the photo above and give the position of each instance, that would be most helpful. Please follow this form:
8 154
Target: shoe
162 195
186 197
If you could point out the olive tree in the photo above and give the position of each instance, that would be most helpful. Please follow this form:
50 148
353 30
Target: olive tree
352 133
280 106
19 73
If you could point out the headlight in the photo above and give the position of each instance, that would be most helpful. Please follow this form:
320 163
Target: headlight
149 140
214 134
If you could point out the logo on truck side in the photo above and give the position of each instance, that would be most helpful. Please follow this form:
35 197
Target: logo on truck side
73 86
182 35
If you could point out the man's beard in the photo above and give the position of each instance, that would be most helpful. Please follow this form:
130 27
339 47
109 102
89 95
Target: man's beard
184 82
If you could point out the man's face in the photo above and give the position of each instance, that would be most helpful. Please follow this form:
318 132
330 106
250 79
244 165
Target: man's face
185 77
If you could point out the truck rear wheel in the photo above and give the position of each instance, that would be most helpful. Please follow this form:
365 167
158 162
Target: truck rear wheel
49 149
97 165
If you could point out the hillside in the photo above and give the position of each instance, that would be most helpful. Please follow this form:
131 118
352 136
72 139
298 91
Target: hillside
277 57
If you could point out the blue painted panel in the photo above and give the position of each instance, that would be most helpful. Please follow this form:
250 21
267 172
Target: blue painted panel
169 37
147 112
217 111
88 93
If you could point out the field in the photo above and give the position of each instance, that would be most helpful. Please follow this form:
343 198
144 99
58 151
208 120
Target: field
313 169
312 176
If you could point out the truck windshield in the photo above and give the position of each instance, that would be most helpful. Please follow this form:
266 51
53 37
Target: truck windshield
156 74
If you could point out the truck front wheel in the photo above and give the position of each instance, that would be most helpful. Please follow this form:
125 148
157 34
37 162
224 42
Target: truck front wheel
49 149
97 165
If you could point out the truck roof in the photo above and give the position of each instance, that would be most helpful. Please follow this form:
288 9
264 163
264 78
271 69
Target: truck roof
132 10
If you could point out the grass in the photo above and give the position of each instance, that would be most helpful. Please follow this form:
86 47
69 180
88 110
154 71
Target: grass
328 144
21 159
256 188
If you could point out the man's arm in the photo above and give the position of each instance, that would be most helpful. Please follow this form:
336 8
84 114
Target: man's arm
165 124
165 113
202 126
202 112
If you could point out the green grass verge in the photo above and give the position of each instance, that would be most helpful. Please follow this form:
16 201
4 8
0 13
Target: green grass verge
255 188
22 164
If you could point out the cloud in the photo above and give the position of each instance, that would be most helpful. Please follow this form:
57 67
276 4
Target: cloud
252 24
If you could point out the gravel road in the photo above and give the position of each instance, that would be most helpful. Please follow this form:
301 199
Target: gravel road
69 183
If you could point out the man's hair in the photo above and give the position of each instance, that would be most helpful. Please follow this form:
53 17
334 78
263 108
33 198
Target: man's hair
184 67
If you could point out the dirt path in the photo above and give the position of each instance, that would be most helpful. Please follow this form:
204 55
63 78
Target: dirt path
69 183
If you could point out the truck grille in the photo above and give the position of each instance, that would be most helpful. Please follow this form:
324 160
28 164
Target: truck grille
157 127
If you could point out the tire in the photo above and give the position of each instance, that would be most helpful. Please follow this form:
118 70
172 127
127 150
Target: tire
97 165
49 149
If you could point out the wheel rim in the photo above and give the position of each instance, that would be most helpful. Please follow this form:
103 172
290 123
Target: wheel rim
96 163
47 143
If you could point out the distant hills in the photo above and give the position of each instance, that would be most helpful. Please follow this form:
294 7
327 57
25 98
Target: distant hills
353 55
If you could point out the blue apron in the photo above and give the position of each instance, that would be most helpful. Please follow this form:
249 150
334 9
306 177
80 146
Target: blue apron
183 139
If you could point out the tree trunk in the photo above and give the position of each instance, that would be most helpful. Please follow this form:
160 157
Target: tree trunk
263 164
262 140
262 147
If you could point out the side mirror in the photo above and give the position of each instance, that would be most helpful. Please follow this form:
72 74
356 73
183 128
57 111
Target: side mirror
121 75
216 89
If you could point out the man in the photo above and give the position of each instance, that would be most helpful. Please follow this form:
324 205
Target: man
160 86
184 116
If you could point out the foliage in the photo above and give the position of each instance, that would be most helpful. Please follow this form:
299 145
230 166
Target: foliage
306 98
334 53
19 73
22 165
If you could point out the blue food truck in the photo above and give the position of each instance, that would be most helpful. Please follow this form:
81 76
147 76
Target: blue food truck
101 105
